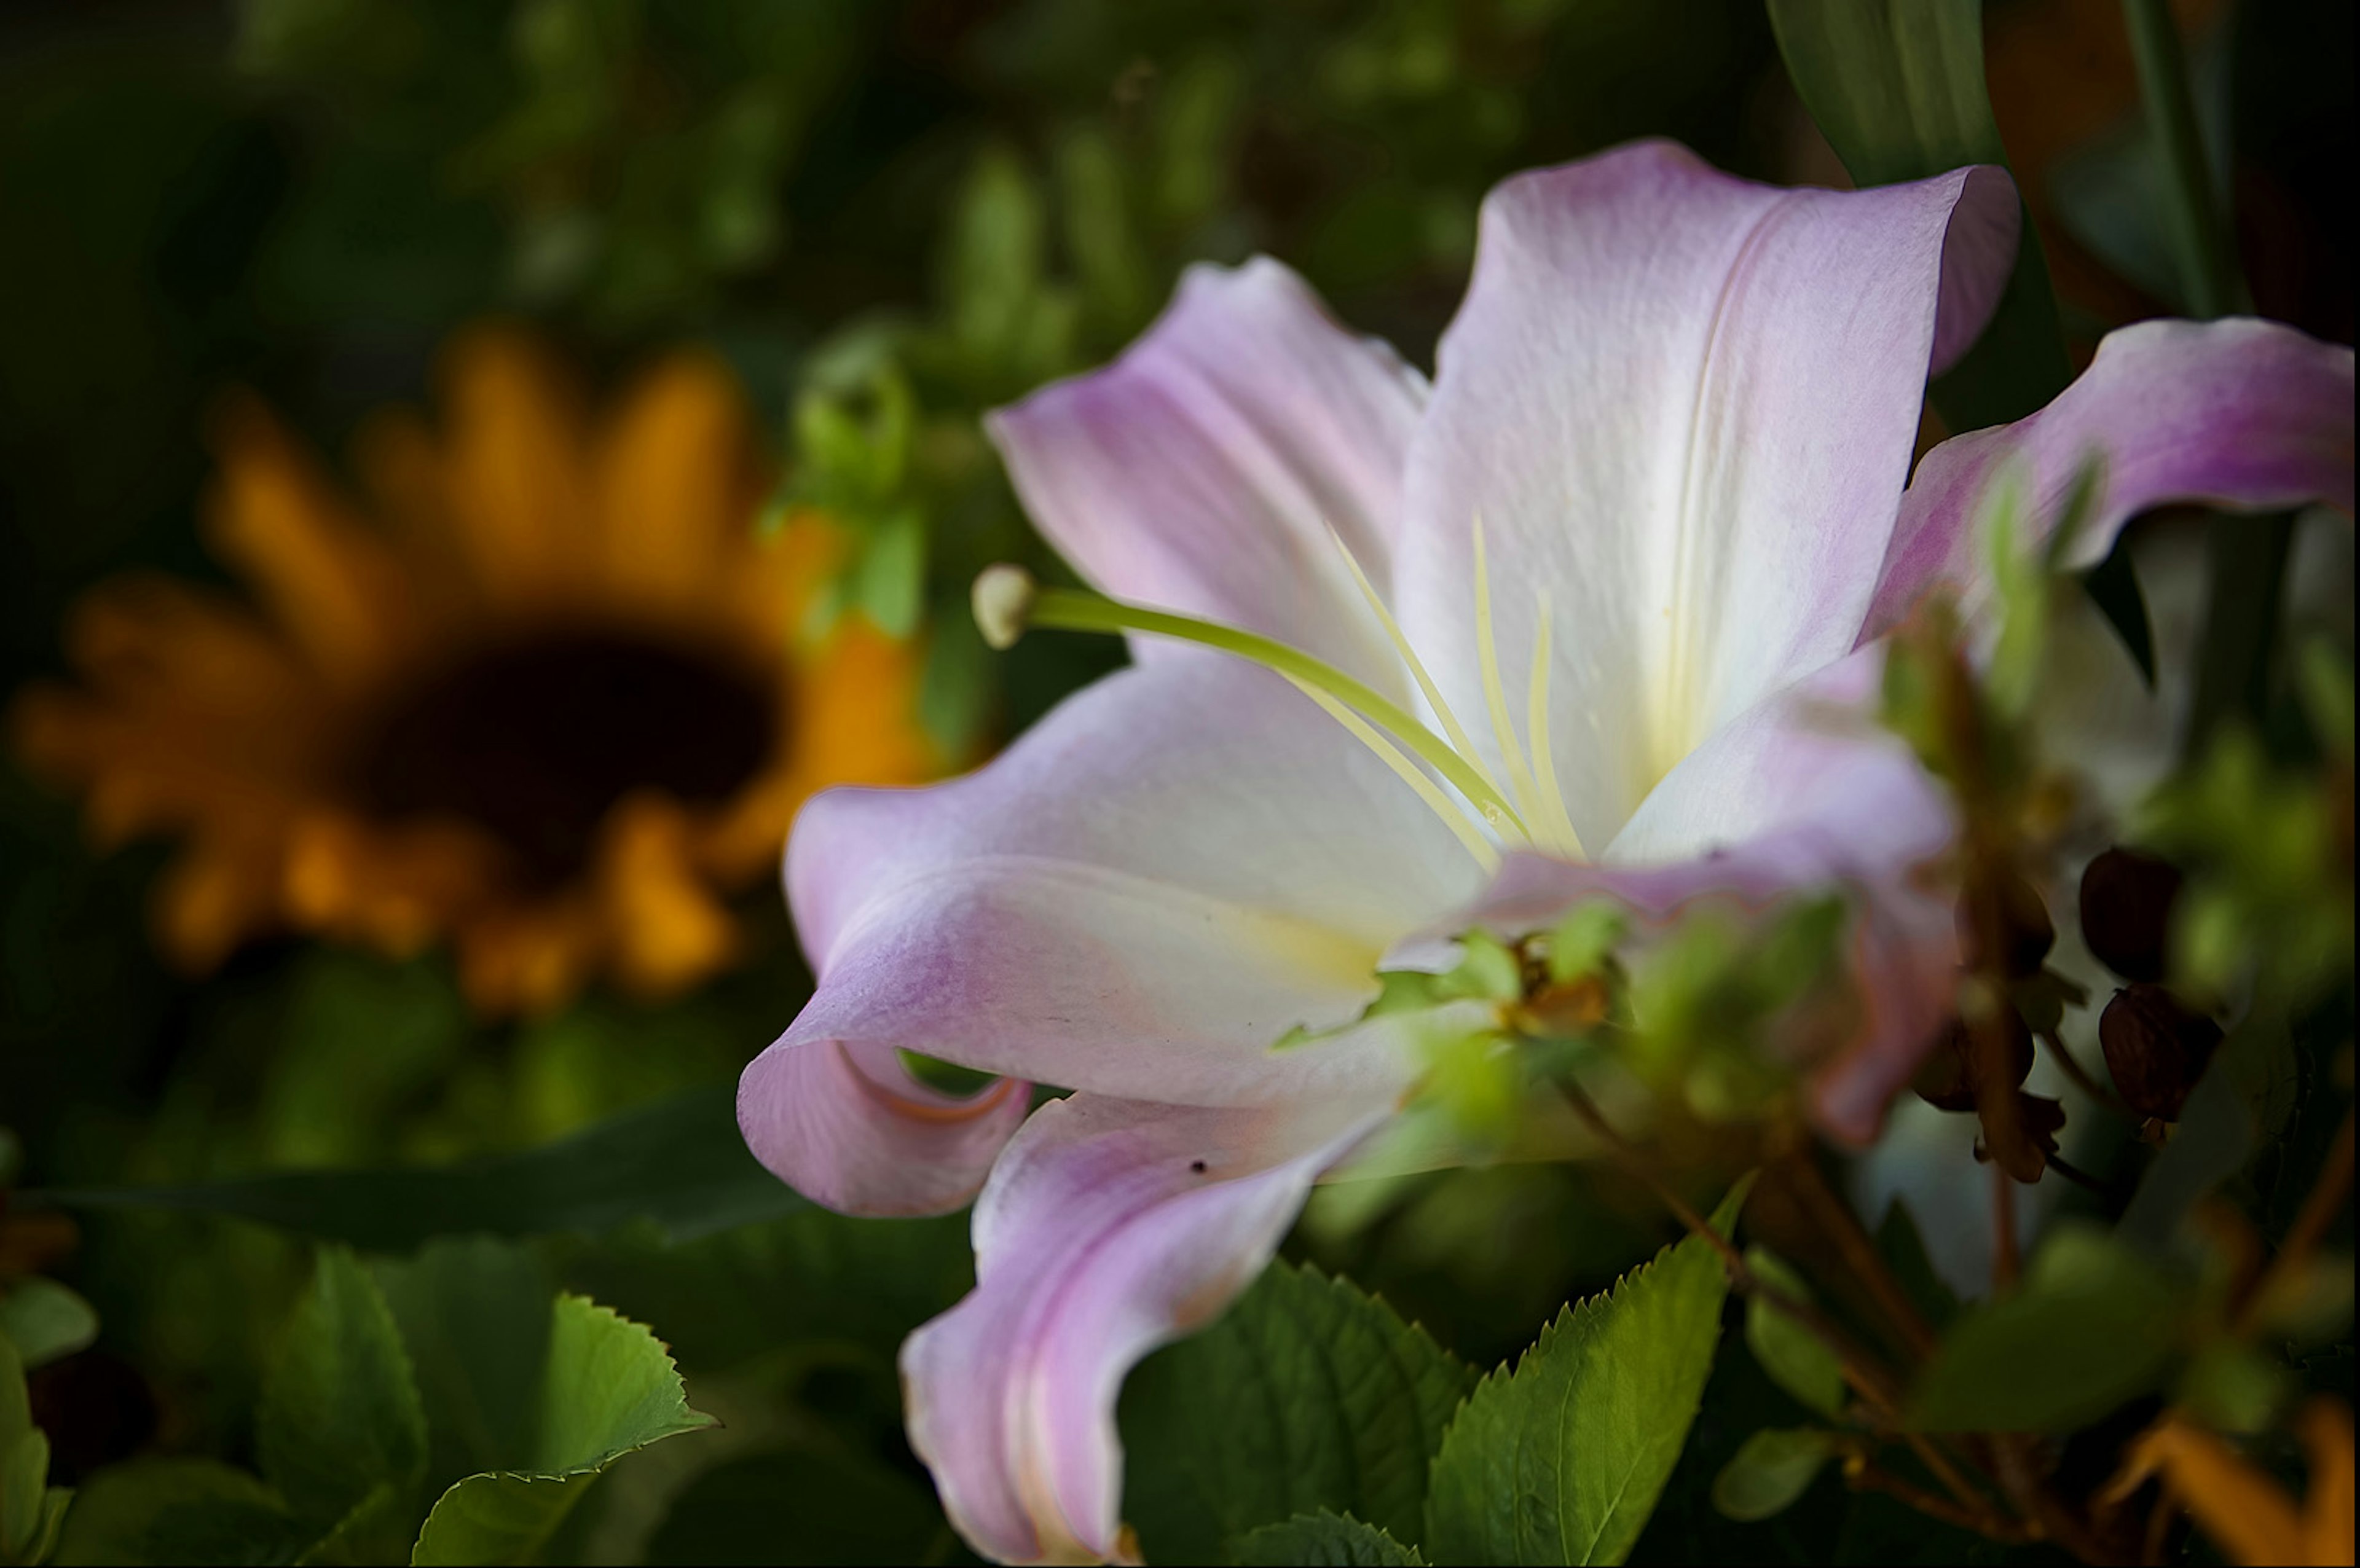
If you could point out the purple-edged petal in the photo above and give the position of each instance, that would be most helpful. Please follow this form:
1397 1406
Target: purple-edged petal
1109 1227
2240 414
1801 794
1683 406
1203 470
1150 889
847 1125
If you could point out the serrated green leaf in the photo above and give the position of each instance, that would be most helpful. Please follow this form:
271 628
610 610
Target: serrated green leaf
680 1164
1306 1395
2090 1325
1562 1460
25 1507
607 1386
1797 1359
1322 1539
474 1316
45 1320
178 1510
340 1412
1774 1468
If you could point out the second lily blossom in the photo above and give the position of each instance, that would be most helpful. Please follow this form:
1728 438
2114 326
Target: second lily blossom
1648 521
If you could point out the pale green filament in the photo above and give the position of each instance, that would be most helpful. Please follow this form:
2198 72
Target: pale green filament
1070 610
1450 725
1487 655
1554 820
1427 790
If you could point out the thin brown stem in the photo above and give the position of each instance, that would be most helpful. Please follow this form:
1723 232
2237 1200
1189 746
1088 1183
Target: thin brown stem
1860 1254
2079 1177
2318 1212
2006 1265
1862 1475
2070 1065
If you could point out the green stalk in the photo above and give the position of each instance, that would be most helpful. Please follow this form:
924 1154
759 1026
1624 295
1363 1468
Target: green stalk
1068 609
2247 555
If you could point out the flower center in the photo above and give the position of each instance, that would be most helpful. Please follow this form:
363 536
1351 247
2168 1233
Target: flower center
1006 602
533 740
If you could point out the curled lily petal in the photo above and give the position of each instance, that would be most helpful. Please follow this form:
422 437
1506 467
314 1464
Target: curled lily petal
1108 1228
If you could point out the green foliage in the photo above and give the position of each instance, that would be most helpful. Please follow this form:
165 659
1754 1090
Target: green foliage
179 1510
1337 1540
340 1424
2092 1324
1797 1359
1562 1460
44 1320
678 1165
1771 1471
1305 1396
31 1510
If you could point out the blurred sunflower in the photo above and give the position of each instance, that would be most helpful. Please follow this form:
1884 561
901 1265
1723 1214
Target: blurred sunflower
549 703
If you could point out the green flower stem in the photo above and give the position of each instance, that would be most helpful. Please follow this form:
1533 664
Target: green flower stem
2247 554
1069 609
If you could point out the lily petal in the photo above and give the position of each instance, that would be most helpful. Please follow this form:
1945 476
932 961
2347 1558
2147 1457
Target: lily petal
1798 795
1202 471
1108 1228
2240 414
1683 406
1150 889
847 1125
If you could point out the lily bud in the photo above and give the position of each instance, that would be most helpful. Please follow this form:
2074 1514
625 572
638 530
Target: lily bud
2157 1049
2003 921
1948 1080
2126 902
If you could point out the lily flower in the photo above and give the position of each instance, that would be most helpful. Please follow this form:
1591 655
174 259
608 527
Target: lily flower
1559 625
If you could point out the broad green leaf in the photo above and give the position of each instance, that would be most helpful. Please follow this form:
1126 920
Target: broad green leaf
680 1164
1774 1468
474 1316
606 1386
1306 1394
1795 1358
30 1508
45 1320
179 1510
1322 1539
340 1412
2092 1324
1562 1460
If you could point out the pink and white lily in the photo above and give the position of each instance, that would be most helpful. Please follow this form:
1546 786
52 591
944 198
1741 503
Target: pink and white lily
1650 515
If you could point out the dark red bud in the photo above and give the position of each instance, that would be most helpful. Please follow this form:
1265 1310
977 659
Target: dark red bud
2003 923
2156 1048
1947 1079
2127 902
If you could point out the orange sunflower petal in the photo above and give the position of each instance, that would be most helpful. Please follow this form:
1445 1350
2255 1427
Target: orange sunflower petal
665 931
515 471
677 486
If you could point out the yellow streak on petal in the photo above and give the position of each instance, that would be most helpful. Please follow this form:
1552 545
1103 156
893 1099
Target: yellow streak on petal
1428 789
1536 729
1487 654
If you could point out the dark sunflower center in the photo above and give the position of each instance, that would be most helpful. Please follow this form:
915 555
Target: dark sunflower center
534 740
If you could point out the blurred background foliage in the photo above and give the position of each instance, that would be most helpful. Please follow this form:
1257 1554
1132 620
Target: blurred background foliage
887 215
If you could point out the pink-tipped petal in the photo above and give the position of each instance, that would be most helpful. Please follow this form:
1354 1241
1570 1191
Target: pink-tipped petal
1202 471
1154 885
847 1125
2240 414
1109 1227
1683 406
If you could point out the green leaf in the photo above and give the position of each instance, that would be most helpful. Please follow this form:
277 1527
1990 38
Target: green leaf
475 1316
1562 1460
30 1508
679 1163
1306 1394
1308 1540
2090 1325
607 1386
340 1412
1903 1248
1774 1468
45 1320
179 1510
1795 1358
891 576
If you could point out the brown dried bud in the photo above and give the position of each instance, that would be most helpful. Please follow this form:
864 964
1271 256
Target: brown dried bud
2003 923
2126 902
2156 1048
1947 1080
2039 1120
